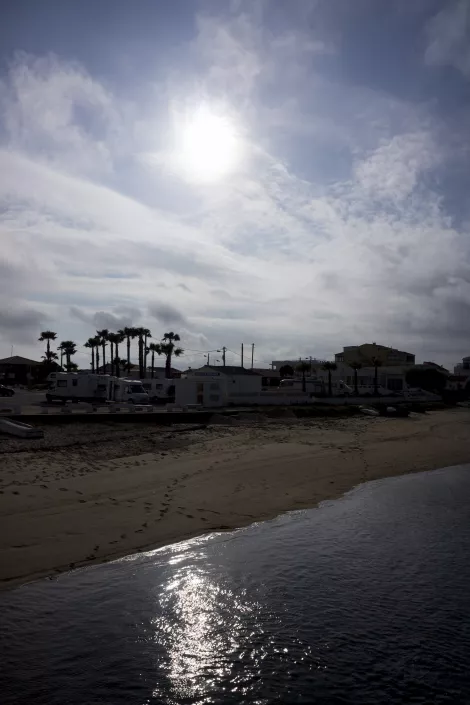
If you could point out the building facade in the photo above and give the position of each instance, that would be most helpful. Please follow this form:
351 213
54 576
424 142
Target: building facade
368 352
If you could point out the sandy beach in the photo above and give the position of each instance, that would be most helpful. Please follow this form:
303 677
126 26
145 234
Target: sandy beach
90 493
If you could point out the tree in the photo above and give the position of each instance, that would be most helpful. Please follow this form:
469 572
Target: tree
114 339
68 348
48 335
129 334
155 349
103 336
145 350
330 367
169 349
97 340
377 362
303 367
356 366
117 341
286 371
91 344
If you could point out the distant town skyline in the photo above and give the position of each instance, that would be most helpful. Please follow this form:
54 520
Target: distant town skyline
293 174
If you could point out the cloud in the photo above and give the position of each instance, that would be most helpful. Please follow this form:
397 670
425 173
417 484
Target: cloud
448 34
167 314
55 110
21 324
333 231
122 317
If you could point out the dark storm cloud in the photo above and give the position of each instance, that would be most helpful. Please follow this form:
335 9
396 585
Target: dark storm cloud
21 325
166 313
122 317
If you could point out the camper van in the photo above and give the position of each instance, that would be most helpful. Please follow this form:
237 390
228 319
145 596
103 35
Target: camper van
70 386
160 391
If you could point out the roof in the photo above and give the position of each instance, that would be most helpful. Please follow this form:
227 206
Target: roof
267 372
17 360
227 370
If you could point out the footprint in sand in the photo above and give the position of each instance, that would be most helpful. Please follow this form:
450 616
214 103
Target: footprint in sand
82 501
124 536
138 531
190 516
63 489
45 487
15 492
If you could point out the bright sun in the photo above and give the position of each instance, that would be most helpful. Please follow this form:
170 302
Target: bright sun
209 147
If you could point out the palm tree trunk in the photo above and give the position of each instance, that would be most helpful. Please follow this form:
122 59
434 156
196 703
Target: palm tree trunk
118 372
93 360
61 358
168 366
145 353
153 362
97 359
48 349
104 356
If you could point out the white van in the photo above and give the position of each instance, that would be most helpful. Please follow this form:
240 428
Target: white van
160 391
70 386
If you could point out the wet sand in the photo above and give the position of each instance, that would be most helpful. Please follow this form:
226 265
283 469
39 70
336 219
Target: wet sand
88 494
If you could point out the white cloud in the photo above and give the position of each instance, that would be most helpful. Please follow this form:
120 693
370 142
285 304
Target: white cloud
448 35
297 265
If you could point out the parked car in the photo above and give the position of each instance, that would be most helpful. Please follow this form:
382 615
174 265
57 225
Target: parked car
6 391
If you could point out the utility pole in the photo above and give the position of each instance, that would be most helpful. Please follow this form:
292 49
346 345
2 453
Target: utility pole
252 354
224 349
242 354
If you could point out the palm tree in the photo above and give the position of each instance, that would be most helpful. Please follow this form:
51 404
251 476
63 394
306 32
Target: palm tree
329 367
118 339
103 336
142 334
68 348
113 339
128 333
356 366
48 335
377 363
169 349
145 351
91 344
303 367
97 340
155 349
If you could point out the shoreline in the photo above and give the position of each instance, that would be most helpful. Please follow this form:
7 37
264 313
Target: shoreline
73 505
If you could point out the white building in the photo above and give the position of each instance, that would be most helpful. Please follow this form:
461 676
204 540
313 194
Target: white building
240 382
217 386
463 368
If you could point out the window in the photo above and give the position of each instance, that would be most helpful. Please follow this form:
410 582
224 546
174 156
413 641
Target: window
74 382
62 383
159 386
214 387
214 397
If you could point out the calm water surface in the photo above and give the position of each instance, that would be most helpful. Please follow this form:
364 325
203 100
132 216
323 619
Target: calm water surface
364 600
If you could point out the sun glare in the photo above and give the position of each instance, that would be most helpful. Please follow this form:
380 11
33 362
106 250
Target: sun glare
209 147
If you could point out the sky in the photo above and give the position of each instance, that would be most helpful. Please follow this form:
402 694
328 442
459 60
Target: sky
293 174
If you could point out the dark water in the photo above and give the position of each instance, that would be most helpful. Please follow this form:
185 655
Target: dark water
365 600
